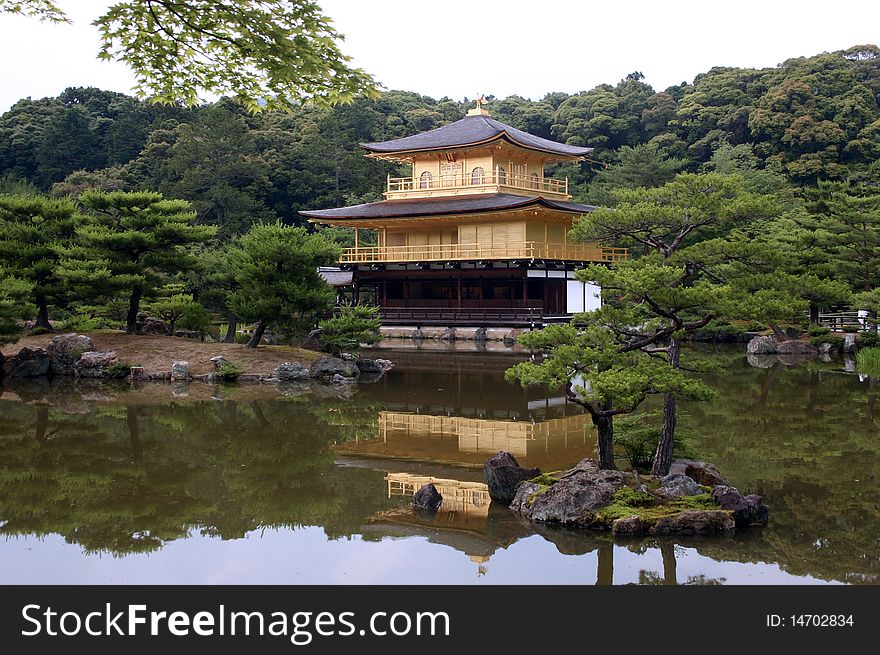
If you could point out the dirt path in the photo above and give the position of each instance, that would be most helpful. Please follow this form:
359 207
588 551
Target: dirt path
156 353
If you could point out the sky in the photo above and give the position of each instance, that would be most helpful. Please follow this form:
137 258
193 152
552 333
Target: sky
462 48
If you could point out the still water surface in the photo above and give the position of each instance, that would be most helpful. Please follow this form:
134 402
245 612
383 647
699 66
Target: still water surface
242 484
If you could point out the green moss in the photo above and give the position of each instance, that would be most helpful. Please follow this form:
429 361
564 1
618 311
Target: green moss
532 496
628 502
545 479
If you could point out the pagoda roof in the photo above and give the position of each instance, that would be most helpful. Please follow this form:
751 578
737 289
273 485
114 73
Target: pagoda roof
469 204
470 131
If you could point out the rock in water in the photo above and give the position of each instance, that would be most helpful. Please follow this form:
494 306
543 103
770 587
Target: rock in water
139 374
218 361
573 500
503 473
702 472
180 371
747 510
28 363
427 498
796 348
849 343
631 526
762 346
678 484
94 364
326 367
291 372
697 522
65 350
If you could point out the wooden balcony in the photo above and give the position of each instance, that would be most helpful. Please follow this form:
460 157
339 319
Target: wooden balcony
496 181
575 252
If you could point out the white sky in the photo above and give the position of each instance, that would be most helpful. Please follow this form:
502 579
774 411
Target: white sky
459 48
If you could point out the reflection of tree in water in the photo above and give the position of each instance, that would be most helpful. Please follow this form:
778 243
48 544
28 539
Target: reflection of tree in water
127 479
806 440
670 571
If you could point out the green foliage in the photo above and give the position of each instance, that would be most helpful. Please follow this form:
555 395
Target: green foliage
276 270
868 340
268 54
33 231
172 308
195 317
850 329
120 370
638 435
868 361
228 372
350 328
128 244
817 330
627 502
15 306
835 340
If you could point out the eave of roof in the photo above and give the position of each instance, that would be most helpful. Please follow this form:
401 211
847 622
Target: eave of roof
473 131
471 204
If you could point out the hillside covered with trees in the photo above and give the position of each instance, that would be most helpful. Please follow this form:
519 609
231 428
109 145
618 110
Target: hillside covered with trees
808 119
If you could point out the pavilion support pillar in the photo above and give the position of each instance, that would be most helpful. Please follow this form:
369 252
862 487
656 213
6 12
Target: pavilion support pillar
459 289
525 290
357 242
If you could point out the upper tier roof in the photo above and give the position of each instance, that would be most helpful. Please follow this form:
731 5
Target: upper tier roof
470 204
473 130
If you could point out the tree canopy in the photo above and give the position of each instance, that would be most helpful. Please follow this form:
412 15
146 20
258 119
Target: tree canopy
266 54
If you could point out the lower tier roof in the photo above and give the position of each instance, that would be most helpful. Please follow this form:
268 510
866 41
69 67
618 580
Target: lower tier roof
469 204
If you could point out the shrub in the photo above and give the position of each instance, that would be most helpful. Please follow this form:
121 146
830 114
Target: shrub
868 340
355 325
228 372
37 331
817 330
755 326
82 323
850 329
835 340
195 317
120 370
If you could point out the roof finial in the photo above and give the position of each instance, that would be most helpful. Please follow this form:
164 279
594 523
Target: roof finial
479 110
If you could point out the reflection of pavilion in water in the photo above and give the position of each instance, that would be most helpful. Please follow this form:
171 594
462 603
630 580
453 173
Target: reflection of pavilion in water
440 410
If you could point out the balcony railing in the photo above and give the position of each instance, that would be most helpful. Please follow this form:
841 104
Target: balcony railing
496 178
581 252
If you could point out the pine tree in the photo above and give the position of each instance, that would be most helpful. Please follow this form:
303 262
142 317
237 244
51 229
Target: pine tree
32 231
276 268
129 243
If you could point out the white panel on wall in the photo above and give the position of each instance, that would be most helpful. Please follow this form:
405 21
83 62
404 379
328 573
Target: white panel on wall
592 297
582 297
574 292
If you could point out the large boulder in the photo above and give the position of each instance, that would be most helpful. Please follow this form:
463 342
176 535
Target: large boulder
849 343
747 510
291 372
326 367
675 485
762 346
702 472
29 363
180 371
695 522
95 364
503 473
427 498
794 347
573 500
65 350
374 366
630 526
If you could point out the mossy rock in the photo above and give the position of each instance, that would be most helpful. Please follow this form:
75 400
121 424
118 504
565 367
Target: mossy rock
628 502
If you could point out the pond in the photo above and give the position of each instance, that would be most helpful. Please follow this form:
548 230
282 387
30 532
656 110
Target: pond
247 484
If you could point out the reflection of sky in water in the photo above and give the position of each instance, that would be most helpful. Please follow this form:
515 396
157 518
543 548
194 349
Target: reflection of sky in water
305 556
